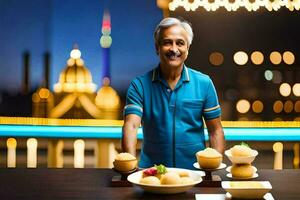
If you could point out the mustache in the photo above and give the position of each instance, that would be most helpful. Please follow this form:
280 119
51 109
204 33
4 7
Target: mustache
173 53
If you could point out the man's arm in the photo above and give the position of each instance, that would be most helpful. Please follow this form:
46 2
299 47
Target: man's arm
129 133
216 134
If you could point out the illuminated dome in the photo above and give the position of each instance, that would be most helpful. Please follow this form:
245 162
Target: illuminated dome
75 77
107 98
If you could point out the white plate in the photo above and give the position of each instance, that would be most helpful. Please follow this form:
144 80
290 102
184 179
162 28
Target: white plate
247 192
241 160
228 169
165 189
222 166
255 175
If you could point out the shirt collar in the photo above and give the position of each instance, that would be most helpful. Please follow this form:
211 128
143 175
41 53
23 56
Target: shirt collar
156 76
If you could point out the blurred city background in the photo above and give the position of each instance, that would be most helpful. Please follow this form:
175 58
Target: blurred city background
252 57
75 60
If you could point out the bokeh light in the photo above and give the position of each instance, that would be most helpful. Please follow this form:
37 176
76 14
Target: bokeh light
240 58
288 57
268 75
278 106
275 58
257 106
285 89
243 106
296 89
216 58
288 106
257 58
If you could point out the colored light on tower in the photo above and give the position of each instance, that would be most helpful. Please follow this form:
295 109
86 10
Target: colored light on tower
106 40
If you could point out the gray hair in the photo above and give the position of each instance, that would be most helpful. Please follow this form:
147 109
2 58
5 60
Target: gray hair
171 21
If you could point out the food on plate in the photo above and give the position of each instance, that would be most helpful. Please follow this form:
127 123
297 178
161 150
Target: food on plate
183 174
209 158
160 175
170 178
246 184
150 180
125 162
241 151
186 180
157 170
242 170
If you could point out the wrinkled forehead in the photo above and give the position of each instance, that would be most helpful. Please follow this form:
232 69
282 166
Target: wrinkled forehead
174 32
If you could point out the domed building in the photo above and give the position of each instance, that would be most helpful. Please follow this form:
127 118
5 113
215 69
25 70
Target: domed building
108 101
75 91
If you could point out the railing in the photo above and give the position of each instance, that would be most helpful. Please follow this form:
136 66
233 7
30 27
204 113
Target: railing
108 134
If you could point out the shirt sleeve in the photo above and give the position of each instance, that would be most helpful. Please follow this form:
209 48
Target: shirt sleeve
134 99
211 108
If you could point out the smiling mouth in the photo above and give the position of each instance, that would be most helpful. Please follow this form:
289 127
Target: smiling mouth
173 56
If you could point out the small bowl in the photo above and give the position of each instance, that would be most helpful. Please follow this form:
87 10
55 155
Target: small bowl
245 192
125 165
241 160
209 162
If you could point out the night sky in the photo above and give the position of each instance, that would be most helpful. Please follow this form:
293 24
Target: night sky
55 25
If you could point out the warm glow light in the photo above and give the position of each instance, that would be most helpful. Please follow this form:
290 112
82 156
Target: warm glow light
257 58
71 62
257 106
288 106
297 106
216 58
32 152
278 106
296 89
44 93
288 57
11 144
275 58
240 58
231 5
35 98
79 153
79 62
243 106
75 54
285 89
268 75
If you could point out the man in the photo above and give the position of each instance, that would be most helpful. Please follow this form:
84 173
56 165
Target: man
170 102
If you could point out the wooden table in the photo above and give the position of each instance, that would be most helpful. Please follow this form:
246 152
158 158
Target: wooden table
74 184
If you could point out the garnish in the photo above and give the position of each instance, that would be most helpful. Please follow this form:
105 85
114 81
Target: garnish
244 144
161 169
150 172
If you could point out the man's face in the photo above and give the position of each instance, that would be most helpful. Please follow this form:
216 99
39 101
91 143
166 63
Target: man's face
173 46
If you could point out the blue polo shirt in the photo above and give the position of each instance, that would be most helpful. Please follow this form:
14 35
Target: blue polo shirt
172 120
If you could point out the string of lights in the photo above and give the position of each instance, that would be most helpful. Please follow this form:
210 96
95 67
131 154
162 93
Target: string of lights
234 5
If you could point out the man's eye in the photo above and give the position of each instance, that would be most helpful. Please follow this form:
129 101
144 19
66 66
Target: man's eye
180 43
167 42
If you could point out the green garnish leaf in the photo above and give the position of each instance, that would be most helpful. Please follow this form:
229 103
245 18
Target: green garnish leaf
161 169
244 144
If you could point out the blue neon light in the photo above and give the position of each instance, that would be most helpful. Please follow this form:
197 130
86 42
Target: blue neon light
231 134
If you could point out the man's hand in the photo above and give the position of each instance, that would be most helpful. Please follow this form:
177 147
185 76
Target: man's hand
216 134
129 133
